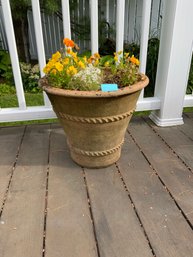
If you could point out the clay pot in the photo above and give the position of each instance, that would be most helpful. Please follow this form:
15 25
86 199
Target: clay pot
95 122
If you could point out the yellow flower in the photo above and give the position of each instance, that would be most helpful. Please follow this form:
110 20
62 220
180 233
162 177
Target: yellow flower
126 55
74 55
75 59
53 71
96 62
71 71
56 56
120 52
137 62
116 58
81 64
45 70
49 66
59 66
85 59
97 55
106 64
134 60
65 61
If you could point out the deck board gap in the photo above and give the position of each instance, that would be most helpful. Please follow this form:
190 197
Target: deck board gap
91 212
162 182
134 208
12 172
172 150
46 198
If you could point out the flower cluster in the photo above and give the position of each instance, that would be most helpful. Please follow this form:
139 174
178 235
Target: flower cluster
30 76
66 69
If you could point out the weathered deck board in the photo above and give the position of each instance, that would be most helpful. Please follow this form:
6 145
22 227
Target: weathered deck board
187 127
10 139
22 222
178 141
160 217
159 184
69 230
189 114
118 230
175 175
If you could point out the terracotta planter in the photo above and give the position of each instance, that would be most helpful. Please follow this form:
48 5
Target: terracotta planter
95 122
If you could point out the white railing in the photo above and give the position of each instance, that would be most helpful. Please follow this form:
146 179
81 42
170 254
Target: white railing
167 114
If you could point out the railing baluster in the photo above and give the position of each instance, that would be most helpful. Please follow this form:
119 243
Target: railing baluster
39 41
145 22
120 20
94 25
66 18
13 53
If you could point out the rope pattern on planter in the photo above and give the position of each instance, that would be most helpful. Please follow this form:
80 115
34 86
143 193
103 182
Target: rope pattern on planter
100 120
97 153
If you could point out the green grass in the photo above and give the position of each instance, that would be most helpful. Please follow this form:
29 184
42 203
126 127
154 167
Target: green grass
188 109
29 122
7 101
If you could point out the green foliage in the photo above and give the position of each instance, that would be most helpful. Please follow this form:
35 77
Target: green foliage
30 74
151 69
5 66
10 100
50 6
6 89
4 60
152 58
190 80
132 48
107 58
20 7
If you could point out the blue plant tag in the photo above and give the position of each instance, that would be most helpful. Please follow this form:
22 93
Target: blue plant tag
109 87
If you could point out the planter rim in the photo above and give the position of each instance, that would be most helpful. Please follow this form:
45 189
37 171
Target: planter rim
94 94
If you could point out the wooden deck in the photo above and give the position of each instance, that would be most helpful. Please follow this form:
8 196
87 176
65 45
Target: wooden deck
140 207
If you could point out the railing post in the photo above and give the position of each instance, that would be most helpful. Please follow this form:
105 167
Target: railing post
174 61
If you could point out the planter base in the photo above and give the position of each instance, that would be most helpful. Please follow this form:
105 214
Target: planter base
95 159
95 162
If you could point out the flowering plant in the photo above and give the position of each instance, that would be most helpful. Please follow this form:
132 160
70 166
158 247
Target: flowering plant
69 71
30 76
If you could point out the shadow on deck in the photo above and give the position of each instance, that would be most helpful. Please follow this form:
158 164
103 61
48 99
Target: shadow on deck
140 207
